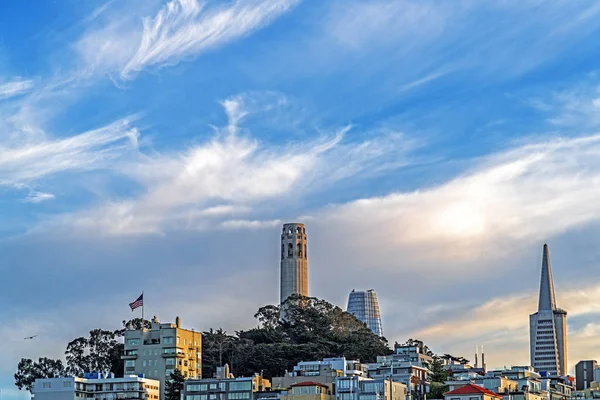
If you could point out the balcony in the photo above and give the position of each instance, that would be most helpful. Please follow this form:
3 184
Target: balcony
129 357
169 355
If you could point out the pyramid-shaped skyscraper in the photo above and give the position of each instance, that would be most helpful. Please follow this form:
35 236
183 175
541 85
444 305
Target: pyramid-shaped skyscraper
548 327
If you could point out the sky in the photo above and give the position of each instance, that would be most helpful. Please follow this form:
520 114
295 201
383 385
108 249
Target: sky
431 148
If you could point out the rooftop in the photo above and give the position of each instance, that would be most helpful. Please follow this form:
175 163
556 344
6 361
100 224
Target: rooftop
308 384
471 389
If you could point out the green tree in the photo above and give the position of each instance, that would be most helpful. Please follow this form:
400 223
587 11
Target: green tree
174 386
437 390
438 372
28 371
99 352
312 329
217 348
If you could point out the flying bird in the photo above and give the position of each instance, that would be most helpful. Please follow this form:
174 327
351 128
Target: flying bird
29 337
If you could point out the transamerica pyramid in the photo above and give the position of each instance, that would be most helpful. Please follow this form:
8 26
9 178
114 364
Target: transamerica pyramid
548 327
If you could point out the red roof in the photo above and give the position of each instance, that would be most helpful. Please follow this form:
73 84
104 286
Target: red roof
308 384
471 389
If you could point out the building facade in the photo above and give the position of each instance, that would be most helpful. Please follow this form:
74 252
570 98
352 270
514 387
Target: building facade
585 372
225 388
96 387
364 305
359 388
548 327
162 349
294 261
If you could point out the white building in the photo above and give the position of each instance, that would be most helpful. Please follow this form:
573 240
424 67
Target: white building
96 387
548 327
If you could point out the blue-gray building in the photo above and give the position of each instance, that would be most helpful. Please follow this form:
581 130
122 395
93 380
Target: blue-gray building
363 304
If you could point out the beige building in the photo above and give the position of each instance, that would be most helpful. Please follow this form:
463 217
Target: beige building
96 387
160 350
294 261
309 391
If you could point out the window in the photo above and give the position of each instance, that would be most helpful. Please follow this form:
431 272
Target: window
67 384
238 386
144 363
133 342
46 385
238 396
168 340
170 361
178 339
213 386
129 363
155 352
222 386
168 372
474 398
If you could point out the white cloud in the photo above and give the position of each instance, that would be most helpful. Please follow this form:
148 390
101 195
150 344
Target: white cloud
38 197
184 28
24 162
517 196
503 323
235 172
14 88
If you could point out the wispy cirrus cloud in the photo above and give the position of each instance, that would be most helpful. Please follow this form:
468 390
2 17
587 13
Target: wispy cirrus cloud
14 88
185 28
25 162
234 172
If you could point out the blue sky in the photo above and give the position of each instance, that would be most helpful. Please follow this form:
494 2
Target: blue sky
430 148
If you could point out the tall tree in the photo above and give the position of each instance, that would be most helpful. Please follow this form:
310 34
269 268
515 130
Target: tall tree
100 352
438 372
28 371
174 386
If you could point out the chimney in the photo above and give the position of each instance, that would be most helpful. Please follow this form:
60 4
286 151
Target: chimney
476 352
482 358
178 322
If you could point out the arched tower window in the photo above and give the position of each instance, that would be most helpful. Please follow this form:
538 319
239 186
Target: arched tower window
299 249
282 250
305 252
290 250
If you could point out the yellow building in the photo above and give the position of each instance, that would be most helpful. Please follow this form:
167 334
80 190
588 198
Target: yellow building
160 350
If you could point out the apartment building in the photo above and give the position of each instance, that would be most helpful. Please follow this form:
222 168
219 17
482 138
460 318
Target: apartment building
360 388
162 349
228 388
96 387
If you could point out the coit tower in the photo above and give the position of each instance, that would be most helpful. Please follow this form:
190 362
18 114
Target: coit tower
294 261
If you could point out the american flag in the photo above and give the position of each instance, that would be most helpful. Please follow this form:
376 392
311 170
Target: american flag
138 303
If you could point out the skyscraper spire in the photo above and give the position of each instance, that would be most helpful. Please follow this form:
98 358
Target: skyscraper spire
547 301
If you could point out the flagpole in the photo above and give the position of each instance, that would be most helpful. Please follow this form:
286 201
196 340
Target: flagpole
143 310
